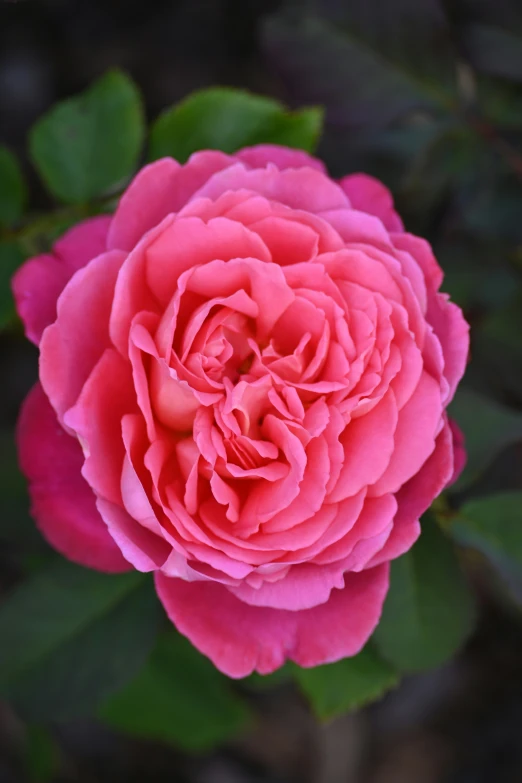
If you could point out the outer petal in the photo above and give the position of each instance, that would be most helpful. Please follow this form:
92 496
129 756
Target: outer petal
62 502
40 281
453 332
73 344
36 285
414 436
106 397
446 318
284 158
303 188
416 496
239 638
459 450
83 242
369 195
159 189
421 251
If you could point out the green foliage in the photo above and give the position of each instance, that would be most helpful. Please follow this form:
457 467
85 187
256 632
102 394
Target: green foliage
444 130
263 682
13 194
226 119
493 525
429 610
42 756
178 697
70 636
90 144
11 256
346 685
488 428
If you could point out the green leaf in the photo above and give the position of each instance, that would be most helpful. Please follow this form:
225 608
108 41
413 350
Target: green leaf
488 428
429 610
71 636
346 685
13 192
178 698
42 756
90 144
263 682
299 129
11 256
492 524
227 119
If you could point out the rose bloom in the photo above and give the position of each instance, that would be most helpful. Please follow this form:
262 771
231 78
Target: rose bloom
243 381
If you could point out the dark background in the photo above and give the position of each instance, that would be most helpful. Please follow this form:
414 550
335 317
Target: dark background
427 96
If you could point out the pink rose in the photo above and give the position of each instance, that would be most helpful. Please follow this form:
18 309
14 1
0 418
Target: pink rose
244 376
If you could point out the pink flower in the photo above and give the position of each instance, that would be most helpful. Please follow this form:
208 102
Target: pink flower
244 375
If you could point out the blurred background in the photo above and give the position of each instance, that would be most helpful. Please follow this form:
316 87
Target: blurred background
427 96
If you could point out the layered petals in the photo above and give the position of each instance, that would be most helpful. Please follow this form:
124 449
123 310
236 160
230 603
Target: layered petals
244 381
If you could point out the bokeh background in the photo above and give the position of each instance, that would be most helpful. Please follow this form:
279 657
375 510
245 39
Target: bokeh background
427 96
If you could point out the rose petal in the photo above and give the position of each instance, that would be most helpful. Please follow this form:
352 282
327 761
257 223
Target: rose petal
40 281
368 447
416 496
62 502
358 227
72 345
414 436
188 242
369 195
36 286
283 157
107 396
421 251
83 242
459 450
304 188
240 639
159 189
305 586
453 332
